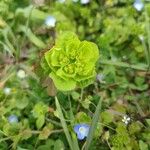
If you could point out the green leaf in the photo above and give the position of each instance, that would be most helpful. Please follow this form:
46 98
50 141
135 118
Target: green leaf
143 146
135 127
52 57
62 119
35 15
40 121
88 51
106 117
86 103
44 147
40 109
82 117
75 95
32 37
93 125
22 102
20 148
45 65
63 85
59 145
68 41
86 82
50 142
148 122
7 48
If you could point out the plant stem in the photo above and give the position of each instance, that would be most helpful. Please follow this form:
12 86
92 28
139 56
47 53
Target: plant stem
108 144
81 96
54 122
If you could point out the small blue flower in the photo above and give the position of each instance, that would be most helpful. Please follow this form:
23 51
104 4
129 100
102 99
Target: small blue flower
50 21
85 1
138 5
81 130
13 119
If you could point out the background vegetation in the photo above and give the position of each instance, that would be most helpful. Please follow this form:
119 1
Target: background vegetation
28 116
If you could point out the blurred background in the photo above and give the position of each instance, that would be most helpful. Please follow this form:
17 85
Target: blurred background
121 30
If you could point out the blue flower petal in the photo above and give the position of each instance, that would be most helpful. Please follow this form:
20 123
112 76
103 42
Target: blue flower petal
81 130
80 136
13 119
76 128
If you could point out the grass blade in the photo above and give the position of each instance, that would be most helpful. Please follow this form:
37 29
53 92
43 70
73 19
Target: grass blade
148 34
93 125
140 66
74 137
32 37
64 125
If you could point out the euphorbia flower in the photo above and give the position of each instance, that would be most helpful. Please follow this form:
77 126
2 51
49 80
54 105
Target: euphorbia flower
81 130
71 62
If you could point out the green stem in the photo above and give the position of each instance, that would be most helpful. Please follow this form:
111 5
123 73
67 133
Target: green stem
4 139
54 122
108 144
81 96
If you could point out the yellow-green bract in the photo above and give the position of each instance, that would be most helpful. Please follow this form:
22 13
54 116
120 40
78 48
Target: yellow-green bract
71 62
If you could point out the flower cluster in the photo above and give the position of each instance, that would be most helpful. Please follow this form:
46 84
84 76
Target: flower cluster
71 62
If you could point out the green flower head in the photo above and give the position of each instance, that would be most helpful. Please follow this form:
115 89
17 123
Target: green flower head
71 62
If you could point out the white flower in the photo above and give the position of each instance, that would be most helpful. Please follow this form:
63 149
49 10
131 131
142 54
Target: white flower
61 1
50 21
100 78
7 90
126 119
85 1
141 37
138 5
21 74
